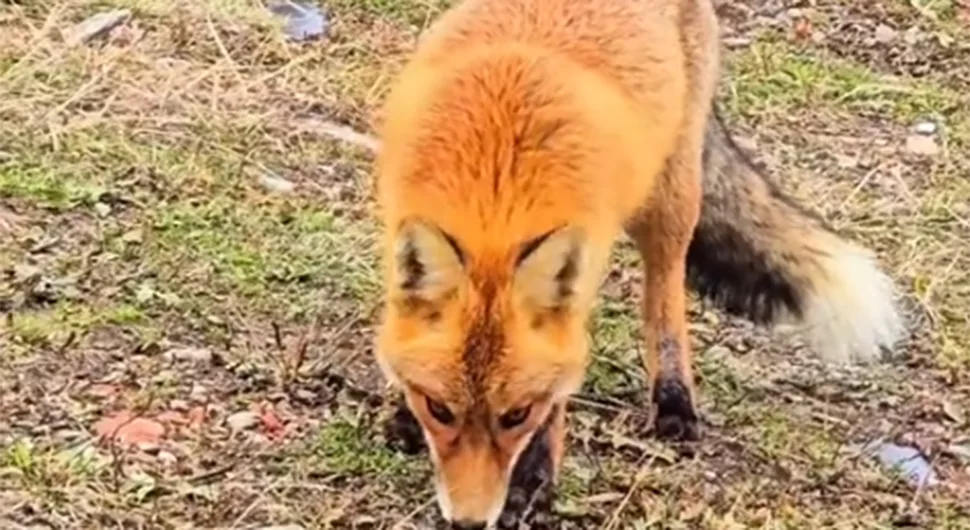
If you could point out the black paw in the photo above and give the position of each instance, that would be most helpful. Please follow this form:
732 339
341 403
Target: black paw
676 418
403 432
528 504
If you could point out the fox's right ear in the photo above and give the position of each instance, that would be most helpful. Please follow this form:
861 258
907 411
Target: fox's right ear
428 264
549 269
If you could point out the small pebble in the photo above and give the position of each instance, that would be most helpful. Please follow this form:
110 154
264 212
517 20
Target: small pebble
166 458
847 162
69 435
102 209
885 34
241 421
197 355
926 127
199 393
922 145
277 184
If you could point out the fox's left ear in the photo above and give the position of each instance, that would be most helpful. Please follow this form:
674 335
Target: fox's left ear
549 267
428 264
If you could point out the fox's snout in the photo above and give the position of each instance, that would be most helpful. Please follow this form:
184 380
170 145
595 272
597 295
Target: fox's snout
472 481
468 525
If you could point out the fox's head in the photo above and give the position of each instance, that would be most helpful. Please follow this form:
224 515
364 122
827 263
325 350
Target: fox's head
485 350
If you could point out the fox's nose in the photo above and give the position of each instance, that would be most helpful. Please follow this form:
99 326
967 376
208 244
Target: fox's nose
467 525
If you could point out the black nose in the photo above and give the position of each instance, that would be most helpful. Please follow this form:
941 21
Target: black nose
467 525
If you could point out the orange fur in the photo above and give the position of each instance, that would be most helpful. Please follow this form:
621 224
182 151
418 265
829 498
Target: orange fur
519 142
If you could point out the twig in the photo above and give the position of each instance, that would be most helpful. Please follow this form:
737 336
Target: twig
640 477
222 49
278 336
325 361
400 523
210 474
68 342
252 506
304 344
116 450
339 132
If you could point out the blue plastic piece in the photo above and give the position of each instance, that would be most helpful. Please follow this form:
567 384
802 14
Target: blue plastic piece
303 21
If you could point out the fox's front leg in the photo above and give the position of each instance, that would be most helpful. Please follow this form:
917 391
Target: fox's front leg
402 430
663 234
532 486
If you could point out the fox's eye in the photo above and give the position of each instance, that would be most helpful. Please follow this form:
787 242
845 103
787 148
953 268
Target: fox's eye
440 412
514 417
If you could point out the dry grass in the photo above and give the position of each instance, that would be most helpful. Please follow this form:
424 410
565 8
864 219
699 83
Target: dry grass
146 206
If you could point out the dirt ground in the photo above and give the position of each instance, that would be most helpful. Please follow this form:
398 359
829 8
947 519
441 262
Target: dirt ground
188 282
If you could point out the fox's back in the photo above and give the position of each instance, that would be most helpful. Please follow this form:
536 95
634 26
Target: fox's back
516 116
625 40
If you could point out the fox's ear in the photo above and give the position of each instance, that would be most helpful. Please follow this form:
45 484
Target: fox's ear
549 267
428 264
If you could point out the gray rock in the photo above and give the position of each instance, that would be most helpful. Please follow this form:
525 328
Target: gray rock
196 355
885 34
97 26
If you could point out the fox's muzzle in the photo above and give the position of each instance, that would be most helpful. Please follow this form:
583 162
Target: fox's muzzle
498 498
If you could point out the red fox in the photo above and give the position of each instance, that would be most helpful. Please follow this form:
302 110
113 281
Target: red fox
521 140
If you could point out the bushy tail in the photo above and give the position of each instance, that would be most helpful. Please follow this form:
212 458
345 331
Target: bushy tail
758 255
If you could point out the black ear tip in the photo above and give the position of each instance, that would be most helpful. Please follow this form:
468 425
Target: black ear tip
421 251
527 248
410 265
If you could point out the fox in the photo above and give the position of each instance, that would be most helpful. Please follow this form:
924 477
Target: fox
520 141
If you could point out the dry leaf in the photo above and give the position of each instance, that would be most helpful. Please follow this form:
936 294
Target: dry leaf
8 221
803 29
172 417
963 12
125 430
196 416
272 425
604 498
954 411
97 25
102 390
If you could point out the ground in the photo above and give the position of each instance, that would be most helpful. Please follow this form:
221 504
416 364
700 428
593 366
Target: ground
184 240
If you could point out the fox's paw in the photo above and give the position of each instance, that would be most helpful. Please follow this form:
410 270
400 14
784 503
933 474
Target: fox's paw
531 488
402 431
676 418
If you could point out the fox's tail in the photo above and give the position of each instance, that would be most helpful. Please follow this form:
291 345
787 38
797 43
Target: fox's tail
758 255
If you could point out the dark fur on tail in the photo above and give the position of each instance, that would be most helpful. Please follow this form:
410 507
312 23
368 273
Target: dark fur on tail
758 255
729 260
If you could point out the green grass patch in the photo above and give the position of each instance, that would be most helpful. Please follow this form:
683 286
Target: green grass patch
36 467
616 334
776 77
37 327
47 188
269 249
349 449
